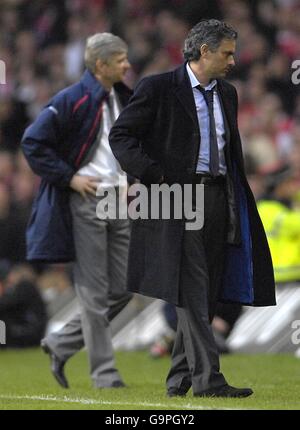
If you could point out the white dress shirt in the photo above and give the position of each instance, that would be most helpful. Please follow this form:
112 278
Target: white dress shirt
104 165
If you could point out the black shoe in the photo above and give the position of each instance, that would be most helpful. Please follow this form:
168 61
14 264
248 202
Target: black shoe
176 392
225 391
118 384
57 365
114 384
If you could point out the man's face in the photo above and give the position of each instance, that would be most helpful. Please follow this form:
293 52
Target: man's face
115 69
218 63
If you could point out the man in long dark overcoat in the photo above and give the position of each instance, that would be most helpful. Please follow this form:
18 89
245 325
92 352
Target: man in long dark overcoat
181 127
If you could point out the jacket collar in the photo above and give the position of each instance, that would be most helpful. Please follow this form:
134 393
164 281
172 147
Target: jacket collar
184 92
194 81
93 85
229 107
99 92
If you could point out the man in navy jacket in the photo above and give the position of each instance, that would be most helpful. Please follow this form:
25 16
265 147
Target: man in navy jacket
67 145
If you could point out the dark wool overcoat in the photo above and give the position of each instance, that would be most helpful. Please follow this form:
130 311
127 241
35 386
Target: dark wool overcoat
157 135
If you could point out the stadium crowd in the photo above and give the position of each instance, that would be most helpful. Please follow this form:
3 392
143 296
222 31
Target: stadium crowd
42 45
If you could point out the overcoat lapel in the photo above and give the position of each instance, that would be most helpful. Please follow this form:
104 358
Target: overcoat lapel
227 120
184 93
228 133
229 110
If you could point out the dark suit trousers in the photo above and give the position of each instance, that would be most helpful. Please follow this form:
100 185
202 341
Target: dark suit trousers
195 360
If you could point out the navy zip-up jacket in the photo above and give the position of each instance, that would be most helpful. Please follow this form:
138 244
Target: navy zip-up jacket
55 146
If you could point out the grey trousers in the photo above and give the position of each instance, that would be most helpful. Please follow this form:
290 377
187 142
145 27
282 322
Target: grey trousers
100 284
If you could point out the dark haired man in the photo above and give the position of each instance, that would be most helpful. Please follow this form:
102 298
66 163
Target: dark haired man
181 127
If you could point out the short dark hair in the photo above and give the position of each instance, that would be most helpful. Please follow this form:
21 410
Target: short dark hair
209 31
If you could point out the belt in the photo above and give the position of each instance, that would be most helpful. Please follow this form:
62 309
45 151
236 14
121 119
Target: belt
206 179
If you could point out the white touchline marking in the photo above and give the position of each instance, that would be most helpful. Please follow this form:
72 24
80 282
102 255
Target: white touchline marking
66 399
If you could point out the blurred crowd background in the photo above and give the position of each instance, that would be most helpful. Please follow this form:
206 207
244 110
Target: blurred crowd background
42 44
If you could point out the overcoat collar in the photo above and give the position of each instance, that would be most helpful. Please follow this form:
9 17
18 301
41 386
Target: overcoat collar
184 92
228 104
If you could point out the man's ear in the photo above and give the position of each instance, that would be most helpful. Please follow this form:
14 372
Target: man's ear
99 65
204 49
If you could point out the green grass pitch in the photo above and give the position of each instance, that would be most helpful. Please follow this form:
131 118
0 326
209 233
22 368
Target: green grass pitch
26 383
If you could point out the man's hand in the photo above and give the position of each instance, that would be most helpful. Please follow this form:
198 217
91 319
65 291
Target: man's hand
84 184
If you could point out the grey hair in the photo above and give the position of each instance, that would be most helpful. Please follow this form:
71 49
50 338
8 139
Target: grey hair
211 32
102 46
